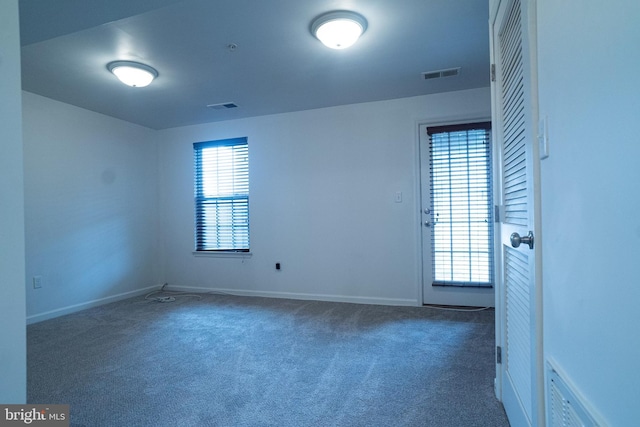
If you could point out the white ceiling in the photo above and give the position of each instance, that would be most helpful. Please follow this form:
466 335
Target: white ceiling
278 65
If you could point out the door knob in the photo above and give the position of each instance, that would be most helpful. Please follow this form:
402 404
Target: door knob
516 240
427 223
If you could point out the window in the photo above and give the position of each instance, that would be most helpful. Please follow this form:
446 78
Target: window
461 197
222 195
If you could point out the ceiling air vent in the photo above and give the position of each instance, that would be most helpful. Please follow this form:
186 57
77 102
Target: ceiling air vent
428 75
223 106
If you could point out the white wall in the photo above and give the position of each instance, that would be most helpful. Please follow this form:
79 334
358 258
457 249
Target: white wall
322 192
13 362
91 207
588 63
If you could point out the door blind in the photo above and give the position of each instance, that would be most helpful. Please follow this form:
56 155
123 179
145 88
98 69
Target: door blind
461 198
222 195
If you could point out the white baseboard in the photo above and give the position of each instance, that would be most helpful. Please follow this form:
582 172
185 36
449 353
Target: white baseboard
300 296
35 318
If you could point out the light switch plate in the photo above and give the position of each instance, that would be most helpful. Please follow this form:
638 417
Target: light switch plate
543 138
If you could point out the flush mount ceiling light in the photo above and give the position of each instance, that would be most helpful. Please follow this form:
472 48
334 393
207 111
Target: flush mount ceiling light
339 29
133 73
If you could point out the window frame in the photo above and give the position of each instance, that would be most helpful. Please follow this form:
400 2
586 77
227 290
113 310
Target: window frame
217 202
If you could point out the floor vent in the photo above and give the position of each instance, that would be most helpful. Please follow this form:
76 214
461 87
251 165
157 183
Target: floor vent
428 75
564 408
223 106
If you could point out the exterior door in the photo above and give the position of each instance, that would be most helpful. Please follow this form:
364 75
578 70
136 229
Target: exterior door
519 382
441 295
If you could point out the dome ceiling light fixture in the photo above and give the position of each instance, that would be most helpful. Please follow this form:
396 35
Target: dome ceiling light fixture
339 29
132 73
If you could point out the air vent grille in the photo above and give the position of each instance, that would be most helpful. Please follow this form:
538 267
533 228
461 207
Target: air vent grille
449 72
565 409
223 106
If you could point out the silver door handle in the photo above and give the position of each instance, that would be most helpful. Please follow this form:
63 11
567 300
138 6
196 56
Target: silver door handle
427 223
516 240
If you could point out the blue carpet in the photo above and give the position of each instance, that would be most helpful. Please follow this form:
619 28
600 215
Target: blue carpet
241 361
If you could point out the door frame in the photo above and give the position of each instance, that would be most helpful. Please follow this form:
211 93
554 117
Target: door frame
538 384
444 295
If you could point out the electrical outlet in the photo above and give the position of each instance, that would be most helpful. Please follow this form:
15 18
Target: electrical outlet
37 282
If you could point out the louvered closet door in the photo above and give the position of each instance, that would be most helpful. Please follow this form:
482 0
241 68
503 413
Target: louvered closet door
516 313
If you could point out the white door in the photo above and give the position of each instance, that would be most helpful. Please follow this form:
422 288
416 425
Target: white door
441 295
519 382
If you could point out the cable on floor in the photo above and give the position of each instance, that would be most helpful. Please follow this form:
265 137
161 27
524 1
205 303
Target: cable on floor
440 307
170 295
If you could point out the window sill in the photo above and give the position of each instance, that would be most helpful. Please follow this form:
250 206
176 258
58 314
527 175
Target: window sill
211 254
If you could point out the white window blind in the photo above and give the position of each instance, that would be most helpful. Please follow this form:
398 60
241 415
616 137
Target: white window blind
461 197
222 195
